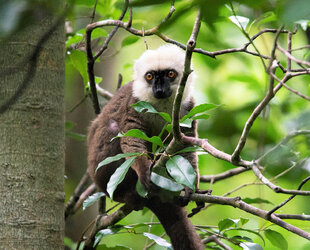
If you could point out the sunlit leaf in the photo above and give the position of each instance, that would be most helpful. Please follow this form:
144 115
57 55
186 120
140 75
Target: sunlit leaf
145 106
115 158
165 183
139 134
250 246
159 241
225 223
90 200
182 171
276 239
141 190
240 21
79 61
129 40
119 175
198 109
105 232
189 149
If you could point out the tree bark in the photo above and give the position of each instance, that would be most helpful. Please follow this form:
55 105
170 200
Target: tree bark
32 141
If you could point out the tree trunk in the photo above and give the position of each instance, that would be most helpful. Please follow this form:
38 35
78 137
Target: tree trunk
32 141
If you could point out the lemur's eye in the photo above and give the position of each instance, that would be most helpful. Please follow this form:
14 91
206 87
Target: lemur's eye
149 76
171 73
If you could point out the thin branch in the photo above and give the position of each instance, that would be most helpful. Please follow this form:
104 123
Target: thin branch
238 203
294 216
290 198
204 143
76 194
104 93
215 239
257 111
103 221
285 140
288 55
296 92
224 175
187 71
274 187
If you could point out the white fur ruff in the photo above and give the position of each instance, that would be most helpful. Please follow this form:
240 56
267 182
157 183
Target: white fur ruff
163 58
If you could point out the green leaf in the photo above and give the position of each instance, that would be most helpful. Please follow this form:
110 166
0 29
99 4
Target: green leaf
75 39
189 150
256 200
97 33
139 134
240 21
187 123
225 223
165 183
115 158
141 190
243 221
90 200
145 106
250 246
276 239
159 241
104 232
129 40
79 62
204 116
119 175
199 109
182 171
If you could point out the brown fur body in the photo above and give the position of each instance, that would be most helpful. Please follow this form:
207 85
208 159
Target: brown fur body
118 116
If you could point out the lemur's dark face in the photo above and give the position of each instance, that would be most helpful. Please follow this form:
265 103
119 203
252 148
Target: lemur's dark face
161 81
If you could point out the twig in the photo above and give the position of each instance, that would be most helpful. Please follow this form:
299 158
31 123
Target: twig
104 221
274 187
238 203
119 82
288 55
294 216
187 71
214 238
261 106
104 93
76 194
224 175
296 92
204 143
290 198
284 141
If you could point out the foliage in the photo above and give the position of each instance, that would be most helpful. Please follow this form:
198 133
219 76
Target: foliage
235 82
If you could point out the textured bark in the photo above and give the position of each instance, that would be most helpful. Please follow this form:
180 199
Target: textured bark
32 142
